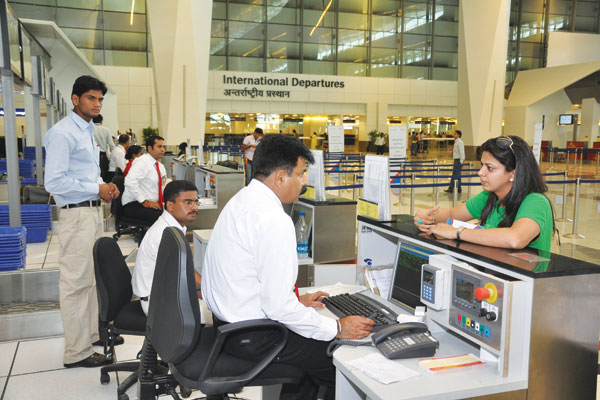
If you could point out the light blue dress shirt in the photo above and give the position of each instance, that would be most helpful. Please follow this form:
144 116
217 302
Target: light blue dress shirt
72 161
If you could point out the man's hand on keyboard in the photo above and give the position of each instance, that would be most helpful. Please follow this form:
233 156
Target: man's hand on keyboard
313 299
356 327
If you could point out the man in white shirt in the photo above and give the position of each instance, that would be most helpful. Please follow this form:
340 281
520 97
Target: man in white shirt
181 207
458 154
104 140
117 156
251 266
145 182
249 146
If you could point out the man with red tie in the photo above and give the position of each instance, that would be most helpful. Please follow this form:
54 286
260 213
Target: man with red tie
144 184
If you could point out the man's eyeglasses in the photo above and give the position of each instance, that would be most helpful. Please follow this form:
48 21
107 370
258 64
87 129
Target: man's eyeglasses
505 142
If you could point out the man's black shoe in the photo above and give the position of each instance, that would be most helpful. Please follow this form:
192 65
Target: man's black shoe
448 190
95 360
118 341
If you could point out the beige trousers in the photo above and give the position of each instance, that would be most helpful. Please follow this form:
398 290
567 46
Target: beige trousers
78 230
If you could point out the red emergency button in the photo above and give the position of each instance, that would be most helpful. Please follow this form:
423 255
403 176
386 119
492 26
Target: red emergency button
482 293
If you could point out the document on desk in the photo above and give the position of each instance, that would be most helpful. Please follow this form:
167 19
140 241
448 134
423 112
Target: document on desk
338 288
385 371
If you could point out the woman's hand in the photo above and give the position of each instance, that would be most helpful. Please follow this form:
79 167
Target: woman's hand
426 220
444 231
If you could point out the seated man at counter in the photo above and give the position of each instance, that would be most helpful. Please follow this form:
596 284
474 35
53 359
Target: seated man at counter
181 207
512 206
145 182
251 266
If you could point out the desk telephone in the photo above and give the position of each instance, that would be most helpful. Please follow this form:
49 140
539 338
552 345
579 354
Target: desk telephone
407 340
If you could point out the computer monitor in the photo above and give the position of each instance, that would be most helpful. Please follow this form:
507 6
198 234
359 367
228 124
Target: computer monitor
565 119
406 284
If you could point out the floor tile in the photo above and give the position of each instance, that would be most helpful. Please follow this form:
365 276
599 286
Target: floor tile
39 355
51 265
7 355
76 383
37 248
2 383
128 350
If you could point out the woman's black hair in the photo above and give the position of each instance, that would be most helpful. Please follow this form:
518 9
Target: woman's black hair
132 151
527 179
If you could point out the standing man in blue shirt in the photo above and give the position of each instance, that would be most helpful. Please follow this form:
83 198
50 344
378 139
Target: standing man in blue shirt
73 177
458 154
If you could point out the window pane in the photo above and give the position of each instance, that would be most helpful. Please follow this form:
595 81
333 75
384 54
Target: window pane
282 15
43 2
415 57
217 28
283 50
352 21
350 38
383 56
216 63
352 69
414 72
124 6
585 24
447 60
352 54
354 6
95 57
283 33
217 46
317 67
446 13
312 17
532 5
318 52
320 35
78 18
530 49
283 66
120 22
417 17
89 4
85 38
126 41
529 63
219 11
560 7
125 58
258 2
443 43
246 64
445 74
444 28
558 23
384 71
385 39
34 12
416 41
246 30
386 7
246 48
385 24
242 12
284 3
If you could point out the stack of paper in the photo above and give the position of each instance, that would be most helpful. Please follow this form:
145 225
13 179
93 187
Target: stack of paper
436 365
381 369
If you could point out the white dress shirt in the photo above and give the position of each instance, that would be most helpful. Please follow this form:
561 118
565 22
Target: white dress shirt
117 159
251 265
249 140
145 261
141 183
458 151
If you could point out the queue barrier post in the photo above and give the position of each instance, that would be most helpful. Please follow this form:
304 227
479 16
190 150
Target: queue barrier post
563 216
469 181
436 189
455 193
597 161
568 156
551 152
574 234
412 194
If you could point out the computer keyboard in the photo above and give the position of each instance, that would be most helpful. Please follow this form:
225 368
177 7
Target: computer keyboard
358 304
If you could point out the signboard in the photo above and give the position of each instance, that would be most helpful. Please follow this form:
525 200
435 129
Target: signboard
336 138
376 186
537 141
316 180
397 140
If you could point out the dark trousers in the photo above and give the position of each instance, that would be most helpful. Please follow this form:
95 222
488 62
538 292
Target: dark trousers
307 354
138 211
414 147
104 166
456 171
248 172
380 150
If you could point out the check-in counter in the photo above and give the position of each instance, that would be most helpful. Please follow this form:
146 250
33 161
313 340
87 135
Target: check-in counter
531 315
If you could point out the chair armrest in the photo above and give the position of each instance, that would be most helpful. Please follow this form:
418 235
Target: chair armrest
223 332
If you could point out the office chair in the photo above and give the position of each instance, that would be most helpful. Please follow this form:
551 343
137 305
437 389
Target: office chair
124 224
195 352
117 314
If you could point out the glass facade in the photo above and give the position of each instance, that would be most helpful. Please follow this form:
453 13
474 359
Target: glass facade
531 21
415 39
107 32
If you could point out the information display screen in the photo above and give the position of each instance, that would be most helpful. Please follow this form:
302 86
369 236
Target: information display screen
565 119
464 290
406 287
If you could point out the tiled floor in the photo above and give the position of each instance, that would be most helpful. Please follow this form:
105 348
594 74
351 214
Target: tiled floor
32 369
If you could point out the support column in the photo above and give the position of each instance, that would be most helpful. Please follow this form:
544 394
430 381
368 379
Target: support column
590 115
482 46
180 31
12 159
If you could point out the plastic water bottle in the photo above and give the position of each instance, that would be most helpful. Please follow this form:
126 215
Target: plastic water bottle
302 236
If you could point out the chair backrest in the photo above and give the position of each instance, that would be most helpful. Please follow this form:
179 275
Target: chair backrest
174 324
116 206
113 279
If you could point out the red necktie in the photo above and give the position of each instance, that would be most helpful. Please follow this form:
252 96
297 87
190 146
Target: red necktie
160 194
296 291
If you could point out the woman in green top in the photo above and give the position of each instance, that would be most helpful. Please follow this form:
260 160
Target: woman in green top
512 206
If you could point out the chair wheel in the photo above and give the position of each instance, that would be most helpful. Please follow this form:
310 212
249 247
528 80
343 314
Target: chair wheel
104 378
185 392
123 397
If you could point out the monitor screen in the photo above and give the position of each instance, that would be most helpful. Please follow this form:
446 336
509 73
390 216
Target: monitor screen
565 119
406 287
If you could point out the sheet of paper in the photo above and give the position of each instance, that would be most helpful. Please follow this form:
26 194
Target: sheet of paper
383 280
338 288
376 184
381 369
315 176
397 141
336 138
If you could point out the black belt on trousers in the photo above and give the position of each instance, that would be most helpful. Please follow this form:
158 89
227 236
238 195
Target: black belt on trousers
87 203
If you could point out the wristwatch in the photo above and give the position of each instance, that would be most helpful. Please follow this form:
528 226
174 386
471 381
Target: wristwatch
458 232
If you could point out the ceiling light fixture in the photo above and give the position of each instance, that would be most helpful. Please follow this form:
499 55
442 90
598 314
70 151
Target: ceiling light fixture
320 18
131 16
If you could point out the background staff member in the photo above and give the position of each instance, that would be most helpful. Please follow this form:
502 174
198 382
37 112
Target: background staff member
145 182
134 151
249 145
104 140
117 156
73 177
458 154
251 266
512 206
181 207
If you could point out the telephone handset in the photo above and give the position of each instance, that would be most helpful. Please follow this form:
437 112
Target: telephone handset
408 340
